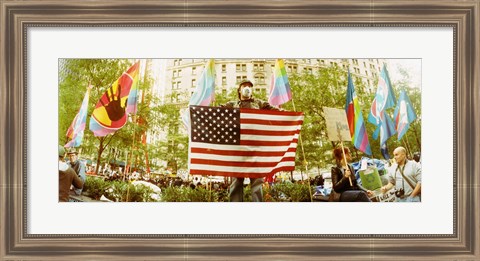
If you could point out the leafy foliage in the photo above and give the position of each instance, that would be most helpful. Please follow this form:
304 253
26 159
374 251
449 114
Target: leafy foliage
187 194
117 191
95 187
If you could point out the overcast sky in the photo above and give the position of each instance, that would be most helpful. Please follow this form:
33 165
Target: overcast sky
412 66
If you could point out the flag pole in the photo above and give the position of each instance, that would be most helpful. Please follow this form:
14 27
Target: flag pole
305 163
344 156
408 144
128 166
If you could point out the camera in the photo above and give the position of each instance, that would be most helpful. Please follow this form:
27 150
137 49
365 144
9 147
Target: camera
399 193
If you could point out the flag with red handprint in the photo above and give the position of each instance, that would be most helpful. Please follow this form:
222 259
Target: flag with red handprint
109 113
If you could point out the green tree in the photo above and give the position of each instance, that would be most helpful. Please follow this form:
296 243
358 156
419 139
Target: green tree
311 92
101 73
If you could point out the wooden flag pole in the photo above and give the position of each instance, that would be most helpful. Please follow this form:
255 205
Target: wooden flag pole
134 120
209 188
344 156
304 159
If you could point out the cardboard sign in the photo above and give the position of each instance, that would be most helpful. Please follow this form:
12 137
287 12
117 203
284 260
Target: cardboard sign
337 125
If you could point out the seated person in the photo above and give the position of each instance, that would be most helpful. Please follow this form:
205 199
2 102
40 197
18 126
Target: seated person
341 176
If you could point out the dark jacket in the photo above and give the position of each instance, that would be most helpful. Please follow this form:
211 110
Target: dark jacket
66 178
341 184
251 104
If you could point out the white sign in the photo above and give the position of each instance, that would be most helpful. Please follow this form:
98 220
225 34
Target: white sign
337 125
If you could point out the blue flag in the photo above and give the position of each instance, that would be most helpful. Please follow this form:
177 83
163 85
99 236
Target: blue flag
384 151
384 99
403 115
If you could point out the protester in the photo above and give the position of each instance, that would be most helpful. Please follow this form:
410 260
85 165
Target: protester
342 174
416 156
66 177
78 166
246 100
406 176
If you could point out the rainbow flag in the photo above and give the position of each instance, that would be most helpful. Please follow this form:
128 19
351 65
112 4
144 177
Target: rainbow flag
280 92
404 114
355 120
109 113
204 92
132 100
75 131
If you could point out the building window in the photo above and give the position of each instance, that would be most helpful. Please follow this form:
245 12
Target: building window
194 70
241 67
259 79
258 67
263 92
194 83
224 68
177 73
174 84
241 78
224 80
177 62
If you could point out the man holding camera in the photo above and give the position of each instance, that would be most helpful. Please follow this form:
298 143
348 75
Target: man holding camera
406 177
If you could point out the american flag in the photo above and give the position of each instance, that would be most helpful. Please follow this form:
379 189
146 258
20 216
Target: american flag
242 142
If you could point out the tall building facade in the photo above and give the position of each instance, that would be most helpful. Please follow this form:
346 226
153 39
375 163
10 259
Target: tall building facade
181 75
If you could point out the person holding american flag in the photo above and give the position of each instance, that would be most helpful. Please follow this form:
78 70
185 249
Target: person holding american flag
248 138
246 100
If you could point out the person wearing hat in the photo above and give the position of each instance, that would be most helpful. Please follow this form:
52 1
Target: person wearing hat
66 177
246 100
78 167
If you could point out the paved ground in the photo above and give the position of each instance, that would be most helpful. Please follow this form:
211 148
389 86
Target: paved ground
82 198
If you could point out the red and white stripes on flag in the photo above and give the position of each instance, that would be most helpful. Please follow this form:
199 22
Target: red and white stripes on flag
242 142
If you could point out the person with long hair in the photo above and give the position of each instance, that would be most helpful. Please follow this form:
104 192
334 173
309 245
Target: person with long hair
342 174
